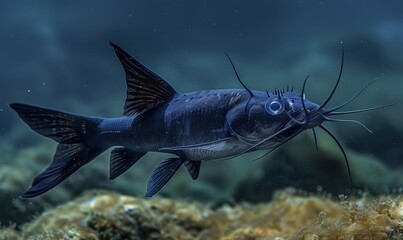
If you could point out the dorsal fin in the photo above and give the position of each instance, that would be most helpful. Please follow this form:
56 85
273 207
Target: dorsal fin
145 89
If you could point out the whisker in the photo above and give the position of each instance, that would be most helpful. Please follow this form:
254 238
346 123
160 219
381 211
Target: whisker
337 82
348 120
251 95
341 148
282 143
268 138
247 104
360 110
315 139
259 143
302 97
350 100
295 120
237 76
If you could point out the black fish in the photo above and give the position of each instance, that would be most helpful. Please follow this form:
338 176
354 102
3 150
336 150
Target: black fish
195 127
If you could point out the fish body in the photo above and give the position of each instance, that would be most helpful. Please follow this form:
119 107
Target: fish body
194 127
209 121
187 119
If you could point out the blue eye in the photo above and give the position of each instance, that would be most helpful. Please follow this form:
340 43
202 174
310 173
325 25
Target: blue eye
274 107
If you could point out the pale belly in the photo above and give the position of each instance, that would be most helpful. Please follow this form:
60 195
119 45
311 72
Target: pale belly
204 152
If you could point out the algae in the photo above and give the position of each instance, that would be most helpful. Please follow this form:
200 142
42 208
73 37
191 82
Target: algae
291 214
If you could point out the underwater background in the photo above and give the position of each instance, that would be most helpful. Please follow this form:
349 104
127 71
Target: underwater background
56 54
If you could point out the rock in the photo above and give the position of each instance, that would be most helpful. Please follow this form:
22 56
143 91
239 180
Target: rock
291 215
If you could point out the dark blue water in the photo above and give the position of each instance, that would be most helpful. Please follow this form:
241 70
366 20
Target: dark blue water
56 54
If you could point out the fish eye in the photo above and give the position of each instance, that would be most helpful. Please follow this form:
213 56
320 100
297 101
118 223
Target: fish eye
274 107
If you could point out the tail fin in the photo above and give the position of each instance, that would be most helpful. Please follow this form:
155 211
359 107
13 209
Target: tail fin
75 135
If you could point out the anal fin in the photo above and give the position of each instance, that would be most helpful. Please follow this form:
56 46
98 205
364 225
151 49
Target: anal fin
121 160
161 174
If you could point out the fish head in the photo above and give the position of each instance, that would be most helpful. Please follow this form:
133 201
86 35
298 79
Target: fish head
281 116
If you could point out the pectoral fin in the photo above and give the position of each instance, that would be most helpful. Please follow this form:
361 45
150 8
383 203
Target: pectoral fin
162 174
121 160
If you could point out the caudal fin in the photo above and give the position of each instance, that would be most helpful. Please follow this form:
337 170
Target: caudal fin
75 135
